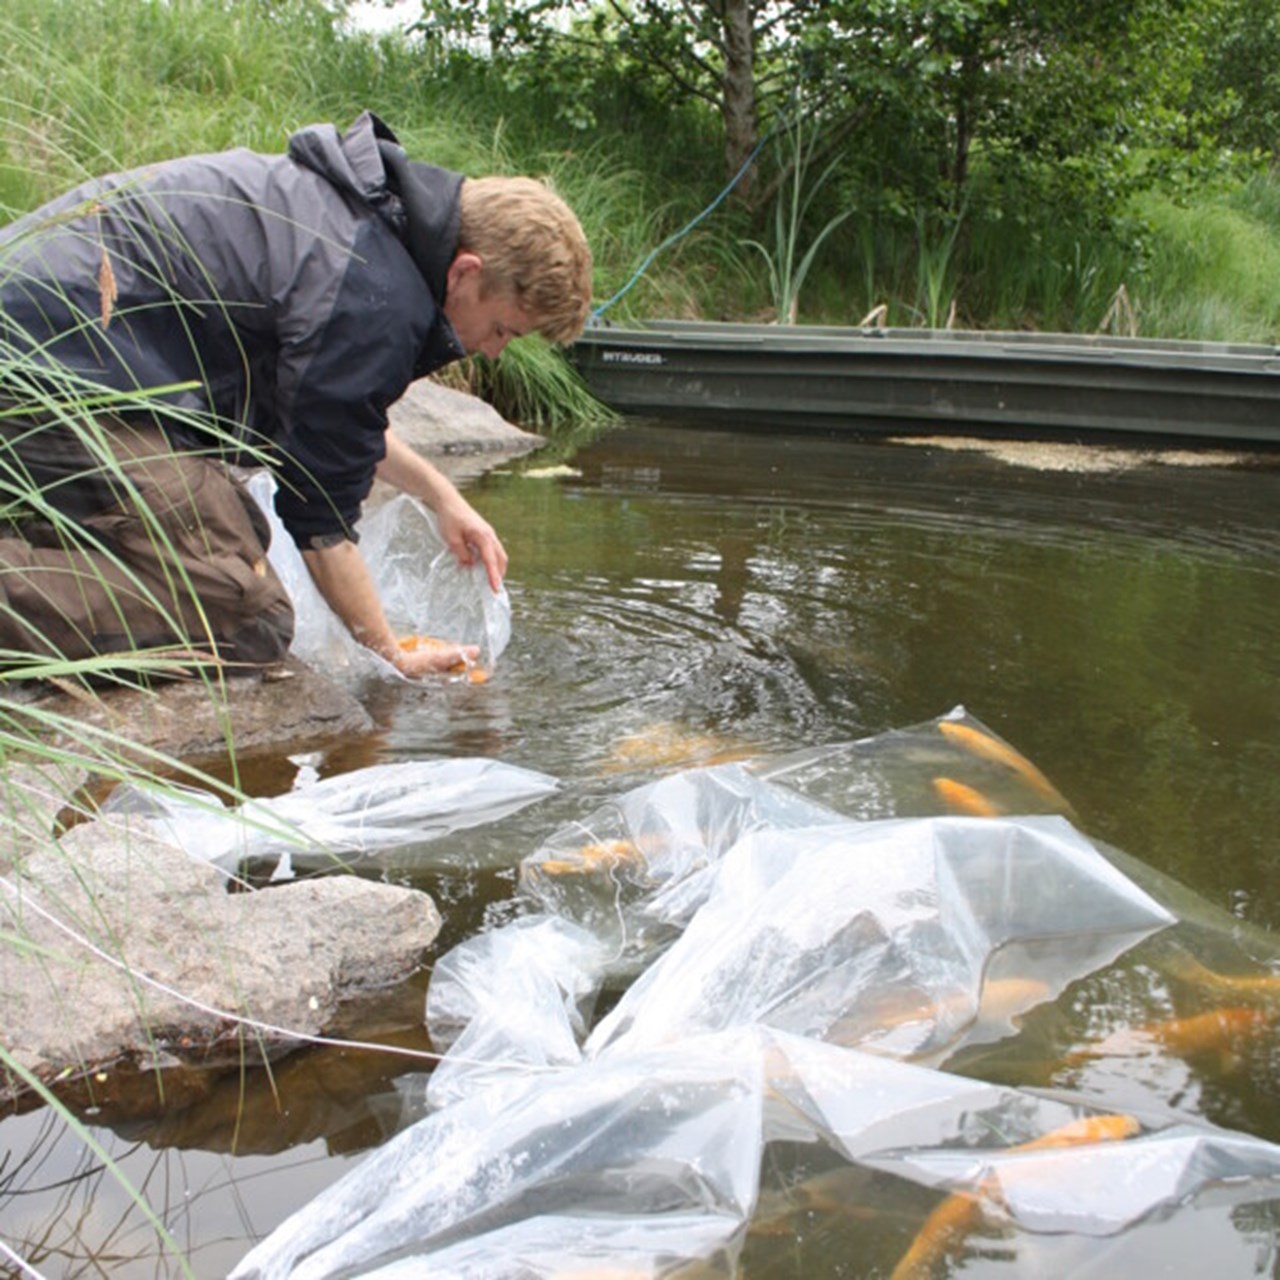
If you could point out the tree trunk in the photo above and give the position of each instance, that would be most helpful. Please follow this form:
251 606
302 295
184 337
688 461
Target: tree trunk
738 101
966 108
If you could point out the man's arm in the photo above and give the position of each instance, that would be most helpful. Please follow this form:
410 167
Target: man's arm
467 534
342 577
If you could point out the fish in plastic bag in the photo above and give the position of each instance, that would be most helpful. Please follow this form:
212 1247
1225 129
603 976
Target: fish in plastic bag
425 593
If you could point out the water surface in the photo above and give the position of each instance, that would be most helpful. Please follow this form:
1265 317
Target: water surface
684 595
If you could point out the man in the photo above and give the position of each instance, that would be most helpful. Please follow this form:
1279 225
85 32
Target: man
266 307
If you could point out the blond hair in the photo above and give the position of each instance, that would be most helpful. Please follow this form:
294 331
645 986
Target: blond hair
533 249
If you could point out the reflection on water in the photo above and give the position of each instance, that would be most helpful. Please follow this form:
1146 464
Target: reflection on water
693 596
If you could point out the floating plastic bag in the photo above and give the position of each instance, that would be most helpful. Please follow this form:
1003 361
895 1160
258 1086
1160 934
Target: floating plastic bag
952 764
717 1113
338 820
880 934
511 1000
635 871
641 1144
423 589
662 1152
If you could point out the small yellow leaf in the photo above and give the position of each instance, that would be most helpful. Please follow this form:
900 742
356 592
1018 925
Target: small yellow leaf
106 287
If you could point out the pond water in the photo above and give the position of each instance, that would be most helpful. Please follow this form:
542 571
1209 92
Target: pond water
680 595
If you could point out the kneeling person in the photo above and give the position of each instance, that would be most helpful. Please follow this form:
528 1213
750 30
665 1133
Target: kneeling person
275 305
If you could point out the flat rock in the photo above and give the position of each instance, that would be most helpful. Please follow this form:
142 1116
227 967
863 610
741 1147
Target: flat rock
293 706
133 952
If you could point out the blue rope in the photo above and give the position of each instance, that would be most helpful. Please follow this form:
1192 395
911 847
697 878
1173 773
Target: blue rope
684 231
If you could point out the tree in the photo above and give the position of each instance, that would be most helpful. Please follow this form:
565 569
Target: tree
930 110
705 50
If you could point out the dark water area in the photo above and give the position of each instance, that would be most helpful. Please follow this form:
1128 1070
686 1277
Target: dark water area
680 595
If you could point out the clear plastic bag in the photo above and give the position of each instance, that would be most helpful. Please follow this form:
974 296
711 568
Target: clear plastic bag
881 934
636 870
509 1001
951 764
803 978
339 820
662 1152
423 589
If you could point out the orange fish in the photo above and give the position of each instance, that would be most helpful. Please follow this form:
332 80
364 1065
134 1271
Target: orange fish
415 644
950 1224
1220 1032
1238 986
990 748
604 856
666 746
964 799
1000 999
1081 1132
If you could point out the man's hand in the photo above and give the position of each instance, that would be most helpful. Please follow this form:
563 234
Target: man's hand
466 533
470 537
343 580
425 655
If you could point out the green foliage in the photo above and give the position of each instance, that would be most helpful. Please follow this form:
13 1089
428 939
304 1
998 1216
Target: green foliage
1218 263
1043 122
532 385
788 266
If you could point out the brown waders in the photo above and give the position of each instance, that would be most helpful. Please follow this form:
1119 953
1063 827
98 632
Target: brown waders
174 557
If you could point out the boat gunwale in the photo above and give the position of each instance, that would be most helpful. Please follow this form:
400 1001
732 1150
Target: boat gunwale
954 344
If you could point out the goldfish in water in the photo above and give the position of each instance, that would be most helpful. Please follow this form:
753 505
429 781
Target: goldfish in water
955 1218
1244 987
961 798
989 748
665 746
416 644
1221 1033
603 856
1081 1132
1000 1000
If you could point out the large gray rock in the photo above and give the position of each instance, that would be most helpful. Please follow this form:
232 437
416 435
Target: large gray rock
439 421
117 947
460 433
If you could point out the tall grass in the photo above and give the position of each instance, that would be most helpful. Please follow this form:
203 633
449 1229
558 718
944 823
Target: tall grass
94 84
792 250
1214 267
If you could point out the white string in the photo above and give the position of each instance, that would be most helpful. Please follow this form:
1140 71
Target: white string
257 1025
21 1263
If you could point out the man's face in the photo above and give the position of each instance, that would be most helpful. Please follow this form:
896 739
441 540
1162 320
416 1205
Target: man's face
484 322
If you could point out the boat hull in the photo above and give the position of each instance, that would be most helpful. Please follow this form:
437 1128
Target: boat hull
835 379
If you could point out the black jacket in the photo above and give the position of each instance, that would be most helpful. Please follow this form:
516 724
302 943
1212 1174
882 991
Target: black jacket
301 293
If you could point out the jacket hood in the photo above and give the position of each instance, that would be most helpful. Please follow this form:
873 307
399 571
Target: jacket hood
368 162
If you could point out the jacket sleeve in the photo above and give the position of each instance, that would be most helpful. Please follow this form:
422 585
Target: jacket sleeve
347 349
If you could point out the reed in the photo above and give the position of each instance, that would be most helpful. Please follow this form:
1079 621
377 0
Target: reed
794 247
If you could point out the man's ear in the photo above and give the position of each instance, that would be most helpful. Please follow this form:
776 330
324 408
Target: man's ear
464 263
